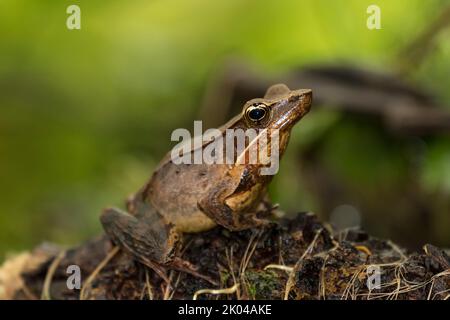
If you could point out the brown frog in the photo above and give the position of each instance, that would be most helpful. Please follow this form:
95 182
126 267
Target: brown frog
189 198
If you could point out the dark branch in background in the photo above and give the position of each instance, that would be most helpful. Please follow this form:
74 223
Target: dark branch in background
400 106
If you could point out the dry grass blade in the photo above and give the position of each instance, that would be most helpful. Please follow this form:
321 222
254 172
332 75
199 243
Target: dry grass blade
403 286
290 281
350 287
175 286
97 270
249 251
252 243
231 290
441 292
169 291
231 268
279 267
45 295
148 285
397 249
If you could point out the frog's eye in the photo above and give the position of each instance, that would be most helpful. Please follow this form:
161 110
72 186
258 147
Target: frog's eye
257 112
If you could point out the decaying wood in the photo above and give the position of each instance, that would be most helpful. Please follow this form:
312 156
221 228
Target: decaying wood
294 259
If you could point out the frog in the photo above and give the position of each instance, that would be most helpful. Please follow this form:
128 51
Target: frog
185 198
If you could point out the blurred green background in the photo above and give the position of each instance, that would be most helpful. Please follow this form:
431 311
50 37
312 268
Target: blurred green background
85 115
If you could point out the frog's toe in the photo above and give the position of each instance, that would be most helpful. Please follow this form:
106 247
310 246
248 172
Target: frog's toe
187 267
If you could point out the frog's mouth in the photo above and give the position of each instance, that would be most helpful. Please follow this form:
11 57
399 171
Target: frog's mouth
293 108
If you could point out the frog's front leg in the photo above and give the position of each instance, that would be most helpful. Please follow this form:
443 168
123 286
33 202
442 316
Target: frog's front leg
230 210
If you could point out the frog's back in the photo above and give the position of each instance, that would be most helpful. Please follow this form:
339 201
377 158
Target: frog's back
175 189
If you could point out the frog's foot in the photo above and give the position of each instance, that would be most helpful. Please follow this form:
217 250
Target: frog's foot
149 240
177 264
187 267
147 237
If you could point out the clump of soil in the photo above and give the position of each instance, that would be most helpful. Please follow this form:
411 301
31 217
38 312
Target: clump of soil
294 259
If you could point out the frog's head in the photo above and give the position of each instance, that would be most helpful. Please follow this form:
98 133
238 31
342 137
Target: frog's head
276 113
280 108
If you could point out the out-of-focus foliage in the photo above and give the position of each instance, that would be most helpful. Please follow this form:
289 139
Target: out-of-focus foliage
86 114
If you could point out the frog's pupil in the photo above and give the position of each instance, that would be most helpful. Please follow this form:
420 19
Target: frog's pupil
257 114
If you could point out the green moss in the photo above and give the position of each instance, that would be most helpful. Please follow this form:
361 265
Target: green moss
224 276
263 284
